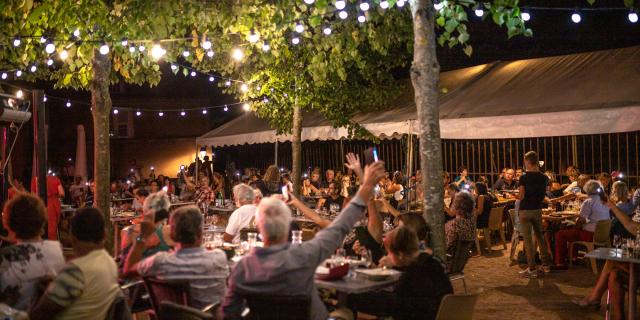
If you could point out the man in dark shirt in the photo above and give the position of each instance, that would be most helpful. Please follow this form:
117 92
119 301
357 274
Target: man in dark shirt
507 182
533 186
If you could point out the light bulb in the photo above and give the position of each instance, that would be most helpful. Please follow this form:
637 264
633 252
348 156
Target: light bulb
104 49
227 83
633 17
526 16
138 113
309 1
210 53
50 62
16 42
161 114
299 28
186 53
237 54
343 15
204 111
44 99
576 18
193 73
246 107
295 40
19 94
18 73
253 36
182 113
244 87
384 4
132 49
362 18
211 79
174 67
43 39
124 42
4 75
225 108
141 48
364 6
115 111
157 52
438 6
50 48
400 3
64 55
265 100
206 45
76 33
265 46
68 104
327 31
340 4
33 68
479 12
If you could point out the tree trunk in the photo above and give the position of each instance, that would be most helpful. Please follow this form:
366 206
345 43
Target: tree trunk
296 150
101 109
425 74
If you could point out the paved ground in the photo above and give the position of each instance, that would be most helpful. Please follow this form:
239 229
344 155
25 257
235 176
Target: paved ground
508 296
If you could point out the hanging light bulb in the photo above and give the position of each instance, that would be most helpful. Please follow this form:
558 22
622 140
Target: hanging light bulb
76 33
384 4
265 100
124 42
18 73
19 94
157 51
33 68
227 83
253 36
211 79
104 49
225 108
138 113
237 54
244 87
299 28
210 53
295 40
246 107
364 6
182 113
43 39
68 104
49 62
362 18
204 111
193 73
161 114
438 5
4 75
343 15
64 55
265 46
44 99
50 48
340 4
206 45
526 16
309 1
141 48
115 111
326 30
479 12
132 49
186 53
575 17
633 17
400 3
16 41
174 67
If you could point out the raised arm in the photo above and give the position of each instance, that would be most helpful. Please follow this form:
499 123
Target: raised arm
375 225
308 212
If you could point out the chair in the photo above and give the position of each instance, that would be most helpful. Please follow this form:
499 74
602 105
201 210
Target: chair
119 309
171 311
515 237
457 307
459 260
176 291
278 307
495 224
600 239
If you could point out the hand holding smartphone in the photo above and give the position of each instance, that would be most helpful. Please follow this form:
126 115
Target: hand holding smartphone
285 193
371 155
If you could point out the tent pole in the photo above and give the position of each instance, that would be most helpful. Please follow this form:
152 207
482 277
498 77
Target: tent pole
275 161
409 169
195 173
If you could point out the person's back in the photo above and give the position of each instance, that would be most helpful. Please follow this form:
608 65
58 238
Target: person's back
535 183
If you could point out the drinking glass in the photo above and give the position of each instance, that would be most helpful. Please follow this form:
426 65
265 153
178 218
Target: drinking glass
296 237
340 256
252 238
365 255
218 239
617 241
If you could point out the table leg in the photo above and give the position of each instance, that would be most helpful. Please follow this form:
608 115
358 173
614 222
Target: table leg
632 291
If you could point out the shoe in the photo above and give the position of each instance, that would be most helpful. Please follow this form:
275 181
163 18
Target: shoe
583 303
544 268
528 273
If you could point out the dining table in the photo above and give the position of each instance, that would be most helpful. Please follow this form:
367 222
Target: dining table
618 255
116 221
354 285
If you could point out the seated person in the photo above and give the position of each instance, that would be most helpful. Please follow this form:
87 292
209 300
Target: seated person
157 206
88 284
463 226
205 270
620 196
421 287
30 261
242 217
483 206
507 182
592 210
333 197
281 268
139 195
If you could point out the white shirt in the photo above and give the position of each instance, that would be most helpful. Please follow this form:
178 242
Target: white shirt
240 219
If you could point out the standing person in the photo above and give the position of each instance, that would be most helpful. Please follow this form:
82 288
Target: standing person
77 190
55 191
532 189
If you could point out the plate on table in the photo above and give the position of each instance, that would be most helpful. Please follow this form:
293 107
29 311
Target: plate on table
378 274
334 273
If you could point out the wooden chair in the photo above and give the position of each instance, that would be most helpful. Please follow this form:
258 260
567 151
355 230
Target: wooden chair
457 307
175 291
172 311
495 224
600 239
459 260
278 307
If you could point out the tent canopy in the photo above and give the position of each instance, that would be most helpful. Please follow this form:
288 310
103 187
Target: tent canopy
586 93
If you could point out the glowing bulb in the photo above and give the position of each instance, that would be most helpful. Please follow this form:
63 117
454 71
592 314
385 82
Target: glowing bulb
400 3
44 99
16 42
633 17
43 39
124 42
138 113
186 53
309 1
438 6
227 83
174 67
265 100
525 16
364 6
343 15
210 53
115 111
157 52
141 48
68 104
161 114
18 73
64 54
265 46
299 28
327 31
253 36
4 75
49 62
33 68
576 18
193 73
225 108
132 49
204 111
479 12
104 49
206 45
76 33
362 18
19 94
237 54
182 113
384 4
340 4
246 107
50 48
295 40
211 79
244 87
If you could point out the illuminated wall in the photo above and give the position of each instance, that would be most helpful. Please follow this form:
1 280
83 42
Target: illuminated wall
165 155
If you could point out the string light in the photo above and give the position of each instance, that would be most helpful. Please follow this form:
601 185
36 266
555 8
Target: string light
141 48
327 31
19 94
161 114
576 18
16 41
132 49
210 53
206 45
18 73
253 36
186 53
211 79
64 54
309 1
138 113
343 15
340 4
68 104
124 42
49 62
526 16
225 108
362 18
438 6
174 67
193 73
364 6
299 28
157 52
400 3
33 68
244 87
246 107
204 111
633 17
3 76
384 4
295 40
115 111
76 33
265 46
104 49
227 83
50 48
479 12
237 54
44 99
182 113
43 39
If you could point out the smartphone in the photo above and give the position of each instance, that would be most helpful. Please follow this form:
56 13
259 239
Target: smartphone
182 167
285 193
602 194
370 155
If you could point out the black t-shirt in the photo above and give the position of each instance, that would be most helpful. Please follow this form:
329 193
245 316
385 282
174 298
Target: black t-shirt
329 201
535 188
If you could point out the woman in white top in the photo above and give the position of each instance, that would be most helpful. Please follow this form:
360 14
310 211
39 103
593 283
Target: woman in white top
31 262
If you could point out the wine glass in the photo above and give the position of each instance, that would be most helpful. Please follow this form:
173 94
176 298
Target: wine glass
617 241
365 256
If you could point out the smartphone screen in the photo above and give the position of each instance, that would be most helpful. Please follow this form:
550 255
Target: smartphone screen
182 167
285 193
375 154
370 156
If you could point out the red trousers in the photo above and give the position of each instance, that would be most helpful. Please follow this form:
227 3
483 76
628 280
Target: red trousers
564 237
54 210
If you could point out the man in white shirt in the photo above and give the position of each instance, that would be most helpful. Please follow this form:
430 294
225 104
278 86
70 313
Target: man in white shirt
242 217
